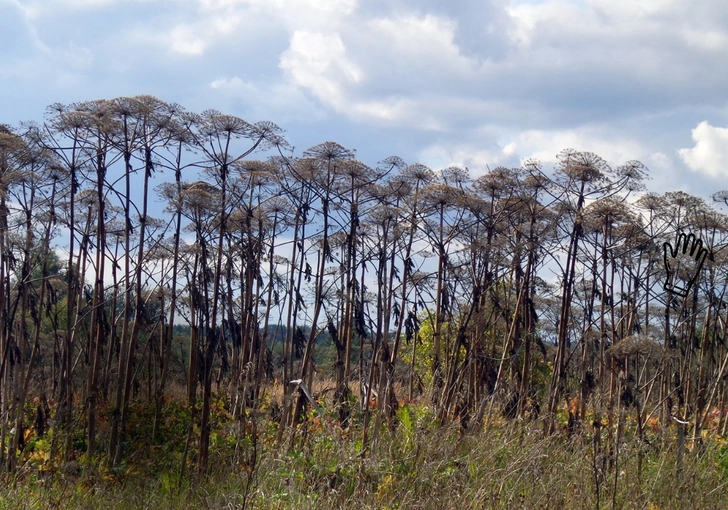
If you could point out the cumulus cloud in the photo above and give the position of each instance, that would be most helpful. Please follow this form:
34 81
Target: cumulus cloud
476 158
467 83
318 62
545 145
215 21
425 43
566 63
387 70
185 39
709 155
490 146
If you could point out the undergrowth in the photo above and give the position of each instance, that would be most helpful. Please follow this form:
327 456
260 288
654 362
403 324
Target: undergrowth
412 463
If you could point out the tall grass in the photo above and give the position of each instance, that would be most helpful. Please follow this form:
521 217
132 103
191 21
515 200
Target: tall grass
416 465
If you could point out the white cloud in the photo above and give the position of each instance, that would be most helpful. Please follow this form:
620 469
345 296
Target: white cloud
318 62
227 83
425 42
510 149
616 77
473 156
184 39
545 145
383 71
556 21
709 155
239 20
391 109
492 146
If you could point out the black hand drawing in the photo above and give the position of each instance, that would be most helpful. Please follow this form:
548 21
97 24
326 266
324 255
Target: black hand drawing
683 263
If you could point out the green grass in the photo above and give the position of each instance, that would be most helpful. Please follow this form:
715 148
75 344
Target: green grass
415 465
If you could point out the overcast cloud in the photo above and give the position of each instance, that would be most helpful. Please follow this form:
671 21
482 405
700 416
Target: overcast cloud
472 83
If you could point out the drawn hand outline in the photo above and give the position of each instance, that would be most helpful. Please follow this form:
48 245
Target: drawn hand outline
692 249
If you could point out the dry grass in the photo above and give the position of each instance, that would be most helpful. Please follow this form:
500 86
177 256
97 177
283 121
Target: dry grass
416 465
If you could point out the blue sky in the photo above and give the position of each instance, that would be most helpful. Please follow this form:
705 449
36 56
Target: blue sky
471 83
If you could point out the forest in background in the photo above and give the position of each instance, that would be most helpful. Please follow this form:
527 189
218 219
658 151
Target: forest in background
145 248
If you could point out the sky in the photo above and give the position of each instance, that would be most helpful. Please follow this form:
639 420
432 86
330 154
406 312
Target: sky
478 84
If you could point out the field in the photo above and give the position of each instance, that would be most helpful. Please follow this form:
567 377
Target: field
414 462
